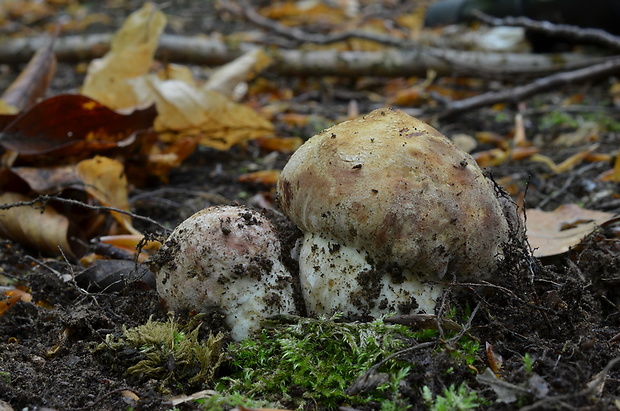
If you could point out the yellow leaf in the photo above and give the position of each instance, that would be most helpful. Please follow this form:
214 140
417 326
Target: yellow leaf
39 227
116 79
218 121
105 180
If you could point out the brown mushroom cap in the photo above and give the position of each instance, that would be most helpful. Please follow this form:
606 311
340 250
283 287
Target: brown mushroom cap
393 186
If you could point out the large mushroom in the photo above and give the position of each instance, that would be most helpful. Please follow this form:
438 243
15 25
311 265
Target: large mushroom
389 208
225 260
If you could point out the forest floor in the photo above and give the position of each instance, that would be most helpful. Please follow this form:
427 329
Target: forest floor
554 320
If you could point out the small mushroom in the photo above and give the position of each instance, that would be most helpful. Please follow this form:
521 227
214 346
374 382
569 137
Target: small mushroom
225 260
389 207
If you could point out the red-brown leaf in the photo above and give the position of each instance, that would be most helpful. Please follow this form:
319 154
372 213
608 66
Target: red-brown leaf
33 80
72 121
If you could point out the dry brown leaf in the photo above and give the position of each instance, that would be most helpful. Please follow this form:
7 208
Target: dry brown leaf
494 359
555 232
71 125
115 79
7 303
48 180
612 175
23 295
32 82
492 157
105 180
43 229
218 121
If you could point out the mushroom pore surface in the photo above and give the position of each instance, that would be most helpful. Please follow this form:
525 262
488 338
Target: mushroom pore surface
399 193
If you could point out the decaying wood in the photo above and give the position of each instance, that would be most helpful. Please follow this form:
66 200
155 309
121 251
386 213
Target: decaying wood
212 51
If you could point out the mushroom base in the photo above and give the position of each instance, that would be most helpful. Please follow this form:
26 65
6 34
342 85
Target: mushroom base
338 278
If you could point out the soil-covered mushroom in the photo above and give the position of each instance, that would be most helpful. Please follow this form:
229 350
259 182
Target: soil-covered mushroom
388 207
225 260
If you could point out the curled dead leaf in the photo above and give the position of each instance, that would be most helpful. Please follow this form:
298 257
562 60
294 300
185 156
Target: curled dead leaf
495 360
38 226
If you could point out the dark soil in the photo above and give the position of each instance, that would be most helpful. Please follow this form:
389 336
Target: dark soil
562 310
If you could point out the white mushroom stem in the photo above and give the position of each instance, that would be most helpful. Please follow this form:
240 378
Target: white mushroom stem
339 278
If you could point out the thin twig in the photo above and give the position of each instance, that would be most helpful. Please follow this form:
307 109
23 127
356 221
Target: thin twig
44 199
305 37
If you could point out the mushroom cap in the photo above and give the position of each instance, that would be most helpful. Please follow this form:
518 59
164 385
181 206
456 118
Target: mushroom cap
393 186
225 259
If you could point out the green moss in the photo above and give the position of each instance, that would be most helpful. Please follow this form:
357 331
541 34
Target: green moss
315 361
453 399
169 352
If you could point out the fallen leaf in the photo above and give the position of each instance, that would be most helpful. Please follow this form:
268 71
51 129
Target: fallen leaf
217 121
265 177
491 157
226 78
505 391
495 360
281 144
7 303
555 232
104 179
32 82
69 124
181 399
48 180
116 79
612 175
40 227
23 295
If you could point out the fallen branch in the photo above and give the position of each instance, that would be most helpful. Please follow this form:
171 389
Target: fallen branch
209 51
542 84
566 31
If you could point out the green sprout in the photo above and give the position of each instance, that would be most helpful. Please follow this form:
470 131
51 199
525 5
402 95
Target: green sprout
528 363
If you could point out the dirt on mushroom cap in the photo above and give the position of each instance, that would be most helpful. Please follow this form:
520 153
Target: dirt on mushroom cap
395 187
225 260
